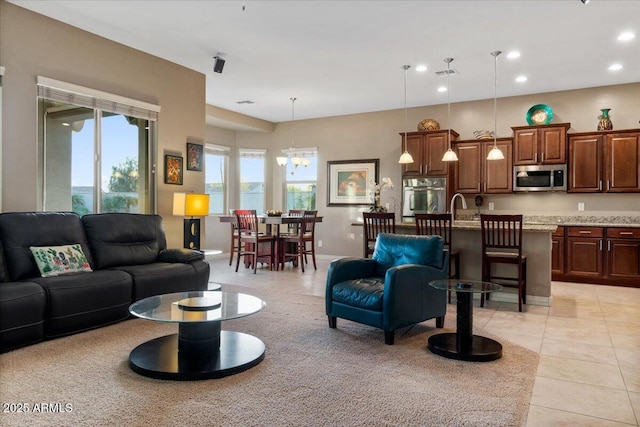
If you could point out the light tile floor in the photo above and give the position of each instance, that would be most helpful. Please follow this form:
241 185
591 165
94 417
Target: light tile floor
588 341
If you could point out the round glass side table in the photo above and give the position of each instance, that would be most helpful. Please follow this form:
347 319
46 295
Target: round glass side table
463 345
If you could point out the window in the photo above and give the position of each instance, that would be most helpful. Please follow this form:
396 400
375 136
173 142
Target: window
216 158
301 182
252 174
96 150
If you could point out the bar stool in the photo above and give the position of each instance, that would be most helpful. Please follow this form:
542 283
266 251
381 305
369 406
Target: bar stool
502 244
440 225
375 223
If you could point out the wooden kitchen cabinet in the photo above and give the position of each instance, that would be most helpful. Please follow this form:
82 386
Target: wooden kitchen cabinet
609 256
427 149
623 253
585 163
557 252
584 252
622 151
474 174
604 162
540 145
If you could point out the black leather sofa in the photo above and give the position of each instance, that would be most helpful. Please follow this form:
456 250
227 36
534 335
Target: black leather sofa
129 259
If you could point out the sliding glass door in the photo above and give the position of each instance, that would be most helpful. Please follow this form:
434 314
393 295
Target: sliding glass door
94 160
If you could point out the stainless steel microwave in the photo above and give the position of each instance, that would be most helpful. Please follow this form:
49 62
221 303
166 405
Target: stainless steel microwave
540 178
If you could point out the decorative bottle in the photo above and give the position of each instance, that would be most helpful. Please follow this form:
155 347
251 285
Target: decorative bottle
605 121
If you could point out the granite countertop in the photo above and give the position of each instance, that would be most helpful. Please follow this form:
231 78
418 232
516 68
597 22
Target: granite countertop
545 223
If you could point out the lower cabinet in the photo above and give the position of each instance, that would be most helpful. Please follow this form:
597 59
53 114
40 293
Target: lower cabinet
557 251
596 255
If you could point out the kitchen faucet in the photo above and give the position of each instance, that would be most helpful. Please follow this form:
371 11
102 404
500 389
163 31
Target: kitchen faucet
453 201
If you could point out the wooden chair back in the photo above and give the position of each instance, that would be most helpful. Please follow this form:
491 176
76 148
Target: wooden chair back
308 225
374 224
502 233
247 221
434 225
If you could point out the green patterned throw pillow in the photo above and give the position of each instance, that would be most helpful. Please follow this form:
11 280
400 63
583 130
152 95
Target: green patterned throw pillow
58 260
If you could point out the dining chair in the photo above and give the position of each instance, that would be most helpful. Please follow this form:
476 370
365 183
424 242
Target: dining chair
440 225
234 237
294 246
251 242
502 244
375 223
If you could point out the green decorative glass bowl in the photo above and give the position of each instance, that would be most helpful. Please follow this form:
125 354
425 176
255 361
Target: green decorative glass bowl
539 114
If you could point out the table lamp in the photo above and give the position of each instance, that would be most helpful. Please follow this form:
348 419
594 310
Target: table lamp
191 205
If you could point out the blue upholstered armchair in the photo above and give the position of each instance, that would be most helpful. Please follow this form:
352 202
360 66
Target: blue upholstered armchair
390 290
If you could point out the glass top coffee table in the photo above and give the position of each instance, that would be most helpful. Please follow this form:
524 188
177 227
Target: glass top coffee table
463 345
200 350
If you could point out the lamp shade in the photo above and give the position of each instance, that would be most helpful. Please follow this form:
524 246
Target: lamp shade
190 204
405 158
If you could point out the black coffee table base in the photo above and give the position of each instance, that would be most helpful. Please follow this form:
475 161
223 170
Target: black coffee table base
463 345
474 349
160 358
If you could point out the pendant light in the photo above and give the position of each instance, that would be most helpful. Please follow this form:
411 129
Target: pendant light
295 160
495 153
449 155
405 157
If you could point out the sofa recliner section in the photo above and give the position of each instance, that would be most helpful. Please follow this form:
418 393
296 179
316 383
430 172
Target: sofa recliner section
129 259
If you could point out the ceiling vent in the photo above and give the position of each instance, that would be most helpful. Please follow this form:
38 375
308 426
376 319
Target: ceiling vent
445 72
246 101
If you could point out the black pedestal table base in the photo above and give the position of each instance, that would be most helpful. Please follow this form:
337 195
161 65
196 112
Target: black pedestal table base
169 359
463 345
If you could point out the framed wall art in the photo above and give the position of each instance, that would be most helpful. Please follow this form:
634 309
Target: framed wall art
173 169
194 156
349 182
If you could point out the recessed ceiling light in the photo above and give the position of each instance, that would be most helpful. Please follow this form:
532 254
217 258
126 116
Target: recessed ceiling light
521 79
65 124
421 68
513 54
626 36
442 89
615 67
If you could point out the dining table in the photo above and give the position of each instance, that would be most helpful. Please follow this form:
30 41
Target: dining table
272 222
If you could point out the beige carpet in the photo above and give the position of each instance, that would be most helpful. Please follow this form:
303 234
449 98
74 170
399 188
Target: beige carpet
311 376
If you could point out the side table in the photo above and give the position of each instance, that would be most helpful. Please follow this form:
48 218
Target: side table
463 345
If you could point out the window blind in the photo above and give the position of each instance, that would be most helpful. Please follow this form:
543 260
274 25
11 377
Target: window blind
253 153
91 98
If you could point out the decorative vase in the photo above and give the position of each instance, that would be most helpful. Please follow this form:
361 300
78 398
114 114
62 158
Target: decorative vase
377 206
605 121
428 124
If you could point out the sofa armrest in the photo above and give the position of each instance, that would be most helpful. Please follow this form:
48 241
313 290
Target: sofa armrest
179 255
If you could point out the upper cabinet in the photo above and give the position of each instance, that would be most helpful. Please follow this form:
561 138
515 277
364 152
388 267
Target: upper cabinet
606 161
540 145
427 149
475 174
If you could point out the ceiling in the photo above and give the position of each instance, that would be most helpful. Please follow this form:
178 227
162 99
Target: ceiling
345 57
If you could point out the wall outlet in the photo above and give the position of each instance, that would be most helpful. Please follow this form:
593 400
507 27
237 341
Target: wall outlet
580 206
491 206
386 205
319 243
351 236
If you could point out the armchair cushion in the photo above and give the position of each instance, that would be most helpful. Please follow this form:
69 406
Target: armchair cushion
395 249
364 293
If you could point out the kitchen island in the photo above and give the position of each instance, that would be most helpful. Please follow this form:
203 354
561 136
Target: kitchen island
536 244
